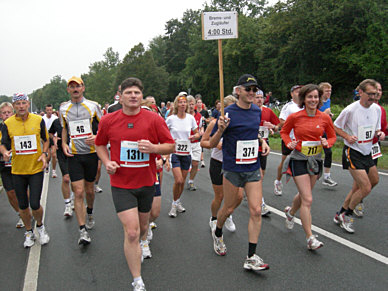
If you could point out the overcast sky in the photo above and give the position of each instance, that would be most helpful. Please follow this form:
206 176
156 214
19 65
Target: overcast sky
43 38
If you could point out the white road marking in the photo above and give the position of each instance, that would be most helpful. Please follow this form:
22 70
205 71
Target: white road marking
332 236
32 270
334 164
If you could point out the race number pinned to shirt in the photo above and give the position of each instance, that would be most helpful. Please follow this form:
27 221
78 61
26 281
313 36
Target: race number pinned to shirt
80 129
376 152
131 157
247 151
263 131
365 134
25 144
311 148
182 147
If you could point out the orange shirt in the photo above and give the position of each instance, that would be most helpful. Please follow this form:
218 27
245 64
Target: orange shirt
308 128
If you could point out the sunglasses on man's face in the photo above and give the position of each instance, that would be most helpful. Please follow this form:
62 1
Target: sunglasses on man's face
248 89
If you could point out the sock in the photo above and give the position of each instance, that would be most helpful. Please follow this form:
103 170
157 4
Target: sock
218 232
175 202
89 210
262 201
349 212
342 210
251 249
67 200
39 225
277 181
138 280
81 227
29 230
214 218
326 175
190 181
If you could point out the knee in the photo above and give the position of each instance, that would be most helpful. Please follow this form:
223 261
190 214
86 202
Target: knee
307 201
155 213
255 211
132 234
66 179
179 182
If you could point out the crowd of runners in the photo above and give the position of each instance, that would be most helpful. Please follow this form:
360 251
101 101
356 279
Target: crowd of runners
135 140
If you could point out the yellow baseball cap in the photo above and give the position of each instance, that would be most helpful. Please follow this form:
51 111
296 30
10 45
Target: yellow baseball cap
75 79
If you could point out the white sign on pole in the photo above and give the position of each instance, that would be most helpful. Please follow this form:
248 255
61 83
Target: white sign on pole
219 25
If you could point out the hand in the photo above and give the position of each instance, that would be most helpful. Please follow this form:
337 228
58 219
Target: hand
90 140
44 160
265 149
145 146
324 142
268 124
111 167
351 139
223 122
381 135
66 150
159 164
7 155
167 165
292 145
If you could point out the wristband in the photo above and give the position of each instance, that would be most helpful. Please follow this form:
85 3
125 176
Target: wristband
46 153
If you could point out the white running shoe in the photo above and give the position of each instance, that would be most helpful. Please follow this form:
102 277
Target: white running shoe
173 211
43 235
212 224
203 164
359 210
150 235
229 224
153 225
29 239
97 189
90 222
255 263
54 174
84 237
20 223
346 222
329 182
68 211
289 218
180 208
138 287
264 210
72 203
313 243
278 188
145 249
219 245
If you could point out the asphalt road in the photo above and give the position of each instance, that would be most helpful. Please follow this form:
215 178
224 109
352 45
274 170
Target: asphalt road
183 256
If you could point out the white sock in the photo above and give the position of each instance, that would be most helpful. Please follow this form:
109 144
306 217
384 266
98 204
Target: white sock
326 175
190 181
277 181
138 280
67 200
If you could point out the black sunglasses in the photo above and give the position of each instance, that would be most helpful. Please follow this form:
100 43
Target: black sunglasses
248 89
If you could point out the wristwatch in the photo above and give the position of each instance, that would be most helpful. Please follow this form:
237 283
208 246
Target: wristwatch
46 153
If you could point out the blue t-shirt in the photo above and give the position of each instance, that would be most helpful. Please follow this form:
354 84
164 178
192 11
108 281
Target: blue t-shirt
216 113
244 125
325 105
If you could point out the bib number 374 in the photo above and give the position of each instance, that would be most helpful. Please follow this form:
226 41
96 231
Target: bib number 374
247 151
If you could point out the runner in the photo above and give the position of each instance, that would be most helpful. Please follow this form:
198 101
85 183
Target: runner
289 108
269 122
116 104
241 166
180 124
305 161
79 120
55 133
326 89
205 121
135 135
196 149
376 150
357 124
6 111
215 172
23 133
49 118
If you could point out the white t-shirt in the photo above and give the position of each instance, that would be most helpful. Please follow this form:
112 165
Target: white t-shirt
49 121
180 128
287 110
362 122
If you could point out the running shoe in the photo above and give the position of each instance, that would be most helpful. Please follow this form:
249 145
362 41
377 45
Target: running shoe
336 218
54 174
150 235
359 210
68 211
72 203
346 222
29 239
255 263
153 225
138 287
289 218
329 182
97 189
90 222
84 237
179 207
192 187
43 235
203 164
229 224
212 224
145 250
218 244
173 211
20 223
313 243
264 210
278 188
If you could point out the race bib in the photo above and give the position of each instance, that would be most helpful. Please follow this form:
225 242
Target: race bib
247 151
311 148
80 129
131 157
365 134
376 152
25 144
263 131
182 147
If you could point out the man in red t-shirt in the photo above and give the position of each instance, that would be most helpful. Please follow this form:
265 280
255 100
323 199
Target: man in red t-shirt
136 137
